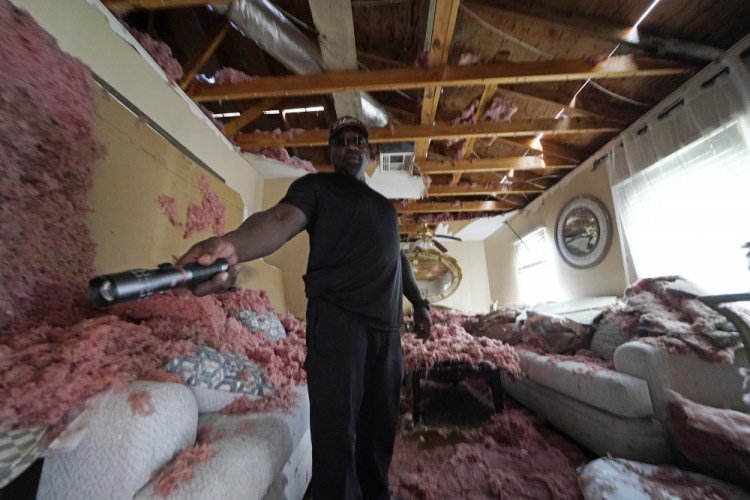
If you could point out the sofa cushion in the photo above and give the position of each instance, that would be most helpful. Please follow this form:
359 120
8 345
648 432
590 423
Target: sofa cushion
598 430
608 390
249 451
713 384
132 435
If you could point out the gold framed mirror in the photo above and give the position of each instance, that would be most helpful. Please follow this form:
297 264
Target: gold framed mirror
438 275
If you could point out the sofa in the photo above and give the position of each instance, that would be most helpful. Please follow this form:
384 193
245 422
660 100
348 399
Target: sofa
125 440
253 455
621 410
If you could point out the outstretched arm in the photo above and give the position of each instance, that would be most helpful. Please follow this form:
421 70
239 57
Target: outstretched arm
259 235
422 319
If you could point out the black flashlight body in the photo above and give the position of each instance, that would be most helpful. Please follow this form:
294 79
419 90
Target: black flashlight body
111 289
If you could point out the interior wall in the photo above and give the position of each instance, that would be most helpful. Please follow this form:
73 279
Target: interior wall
473 294
606 278
127 221
87 30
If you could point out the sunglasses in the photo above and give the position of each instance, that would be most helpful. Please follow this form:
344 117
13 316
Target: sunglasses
341 141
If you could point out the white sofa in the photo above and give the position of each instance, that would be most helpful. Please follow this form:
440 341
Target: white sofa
255 455
623 412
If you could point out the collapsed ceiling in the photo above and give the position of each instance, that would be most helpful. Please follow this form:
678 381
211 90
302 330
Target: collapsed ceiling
500 98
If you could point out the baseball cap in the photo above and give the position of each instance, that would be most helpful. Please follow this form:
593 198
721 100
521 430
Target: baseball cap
347 122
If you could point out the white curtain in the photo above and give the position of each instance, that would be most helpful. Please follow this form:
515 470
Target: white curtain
681 185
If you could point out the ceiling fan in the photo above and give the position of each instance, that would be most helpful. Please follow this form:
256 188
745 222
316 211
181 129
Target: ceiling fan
425 238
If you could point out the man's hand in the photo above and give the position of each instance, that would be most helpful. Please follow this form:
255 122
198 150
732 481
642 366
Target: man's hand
205 253
422 322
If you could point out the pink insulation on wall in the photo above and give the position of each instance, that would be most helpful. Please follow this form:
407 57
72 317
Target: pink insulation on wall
48 147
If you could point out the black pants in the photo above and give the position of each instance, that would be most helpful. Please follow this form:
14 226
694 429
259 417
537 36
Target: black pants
354 372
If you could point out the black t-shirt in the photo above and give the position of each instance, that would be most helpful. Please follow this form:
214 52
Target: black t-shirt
355 259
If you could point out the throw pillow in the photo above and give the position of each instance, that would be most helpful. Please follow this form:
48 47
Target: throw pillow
267 322
229 372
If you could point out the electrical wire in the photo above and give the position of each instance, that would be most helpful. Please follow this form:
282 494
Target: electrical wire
508 37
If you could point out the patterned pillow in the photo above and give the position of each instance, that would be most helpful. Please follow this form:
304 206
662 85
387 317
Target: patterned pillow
229 372
268 322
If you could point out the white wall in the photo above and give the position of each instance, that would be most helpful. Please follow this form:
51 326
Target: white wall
606 278
473 294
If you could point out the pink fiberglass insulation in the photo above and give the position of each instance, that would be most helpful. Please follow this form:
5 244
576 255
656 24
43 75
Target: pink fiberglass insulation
511 456
663 311
453 344
281 154
161 53
140 403
49 371
47 147
231 76
210 213
714 439
246 300
203 321
180 469
168 209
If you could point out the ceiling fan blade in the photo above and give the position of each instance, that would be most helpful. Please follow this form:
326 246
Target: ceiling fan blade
448 237
440 246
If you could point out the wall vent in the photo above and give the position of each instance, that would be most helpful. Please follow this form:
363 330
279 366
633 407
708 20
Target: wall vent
397 157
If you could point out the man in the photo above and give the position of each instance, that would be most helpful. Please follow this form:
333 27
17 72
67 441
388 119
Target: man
356 275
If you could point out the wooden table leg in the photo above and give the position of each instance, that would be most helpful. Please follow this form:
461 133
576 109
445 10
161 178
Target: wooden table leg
496 386
415 396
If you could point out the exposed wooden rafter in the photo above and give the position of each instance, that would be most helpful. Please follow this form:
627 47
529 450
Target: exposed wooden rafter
249 115
450 190
215 39
487 95
548 148
530 162
442 131
412 78
655 44
426 207
440 39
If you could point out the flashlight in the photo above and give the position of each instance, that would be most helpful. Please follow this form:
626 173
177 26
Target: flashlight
111 289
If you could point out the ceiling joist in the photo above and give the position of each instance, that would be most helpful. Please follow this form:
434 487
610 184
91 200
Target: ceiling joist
530 162
450 190
311 138
446 76
192 67
440 39
249 115
426 207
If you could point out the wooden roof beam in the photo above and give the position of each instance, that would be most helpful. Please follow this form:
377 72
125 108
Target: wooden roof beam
311 138
450 190
656 44
487 95
440 39
567 109
548 148
194 65
447 76
427 207
530 162
248 115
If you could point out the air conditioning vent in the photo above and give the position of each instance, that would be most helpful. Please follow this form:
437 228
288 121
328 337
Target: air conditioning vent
397 157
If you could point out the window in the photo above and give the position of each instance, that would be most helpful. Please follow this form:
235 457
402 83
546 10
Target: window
689 213
536 279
